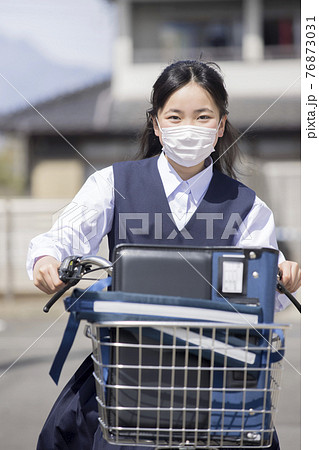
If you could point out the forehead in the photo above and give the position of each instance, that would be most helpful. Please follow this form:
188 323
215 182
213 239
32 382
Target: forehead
190 97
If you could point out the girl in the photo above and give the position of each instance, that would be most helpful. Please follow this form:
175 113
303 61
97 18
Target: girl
182 189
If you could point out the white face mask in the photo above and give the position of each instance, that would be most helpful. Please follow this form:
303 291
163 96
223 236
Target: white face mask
188 145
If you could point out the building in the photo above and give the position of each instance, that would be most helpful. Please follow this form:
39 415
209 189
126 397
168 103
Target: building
69 137
257 45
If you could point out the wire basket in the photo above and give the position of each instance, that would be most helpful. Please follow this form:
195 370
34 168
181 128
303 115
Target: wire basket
187 384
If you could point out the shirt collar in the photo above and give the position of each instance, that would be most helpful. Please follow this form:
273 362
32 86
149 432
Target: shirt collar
171 180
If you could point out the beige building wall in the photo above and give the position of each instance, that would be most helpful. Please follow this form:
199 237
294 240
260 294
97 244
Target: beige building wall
60 178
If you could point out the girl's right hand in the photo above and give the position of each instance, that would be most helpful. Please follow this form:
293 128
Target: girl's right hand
45 275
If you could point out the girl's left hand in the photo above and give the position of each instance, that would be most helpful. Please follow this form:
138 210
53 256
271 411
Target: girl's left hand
291 275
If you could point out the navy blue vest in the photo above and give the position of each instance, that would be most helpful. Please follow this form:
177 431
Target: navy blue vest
142 214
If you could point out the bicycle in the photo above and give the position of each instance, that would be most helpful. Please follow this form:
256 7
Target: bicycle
184 373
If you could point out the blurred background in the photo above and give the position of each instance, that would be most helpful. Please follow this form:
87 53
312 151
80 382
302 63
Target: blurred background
87 69
75 81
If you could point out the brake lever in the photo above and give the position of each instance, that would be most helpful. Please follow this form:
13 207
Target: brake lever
58 294
70 272
281 288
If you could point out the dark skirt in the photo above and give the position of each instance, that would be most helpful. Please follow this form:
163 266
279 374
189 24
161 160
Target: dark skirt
73 421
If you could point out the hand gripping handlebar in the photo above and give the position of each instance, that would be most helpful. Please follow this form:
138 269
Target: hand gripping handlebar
72 270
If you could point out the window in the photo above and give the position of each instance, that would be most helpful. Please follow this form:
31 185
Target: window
278 32
164 31
193 39
282 29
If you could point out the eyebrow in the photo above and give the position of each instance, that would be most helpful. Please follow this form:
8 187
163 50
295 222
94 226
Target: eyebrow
196 110
204 109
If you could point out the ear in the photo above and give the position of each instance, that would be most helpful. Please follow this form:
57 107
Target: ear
222 125
155 127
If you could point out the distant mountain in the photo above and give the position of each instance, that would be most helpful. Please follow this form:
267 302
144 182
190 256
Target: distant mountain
36 77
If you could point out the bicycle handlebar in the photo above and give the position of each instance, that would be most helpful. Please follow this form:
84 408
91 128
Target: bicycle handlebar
98 261
74 267
72 270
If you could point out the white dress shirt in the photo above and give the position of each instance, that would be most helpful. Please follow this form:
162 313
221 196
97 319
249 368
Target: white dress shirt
88 218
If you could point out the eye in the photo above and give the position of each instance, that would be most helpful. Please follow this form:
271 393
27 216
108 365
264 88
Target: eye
204 117
173 118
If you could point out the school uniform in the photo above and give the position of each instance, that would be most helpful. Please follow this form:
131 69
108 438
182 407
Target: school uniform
143 202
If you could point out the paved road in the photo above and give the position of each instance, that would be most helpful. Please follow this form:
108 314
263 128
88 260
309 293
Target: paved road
27 393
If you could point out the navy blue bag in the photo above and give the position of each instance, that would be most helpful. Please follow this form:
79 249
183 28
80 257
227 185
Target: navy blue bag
241 390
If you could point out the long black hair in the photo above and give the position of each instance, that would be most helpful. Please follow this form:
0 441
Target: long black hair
173 78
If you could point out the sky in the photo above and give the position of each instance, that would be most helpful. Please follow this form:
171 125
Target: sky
72 32
51 47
